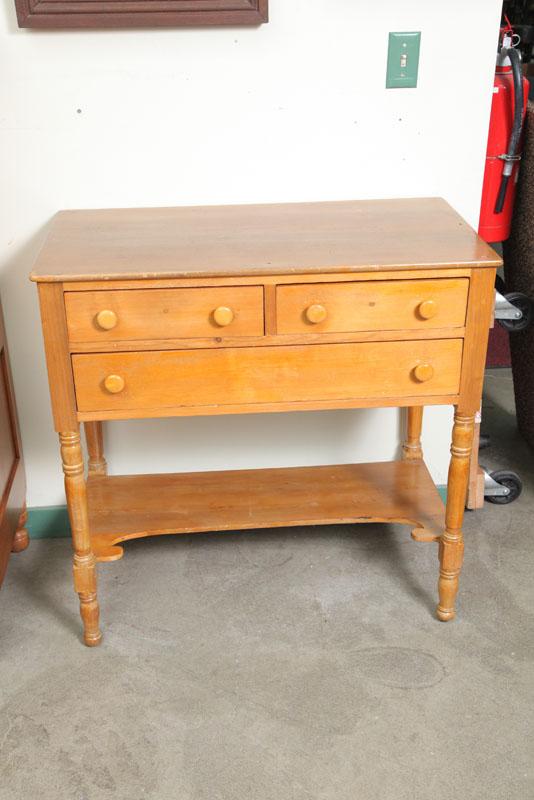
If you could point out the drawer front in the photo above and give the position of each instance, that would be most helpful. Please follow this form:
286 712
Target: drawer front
371 306
193 378
164 313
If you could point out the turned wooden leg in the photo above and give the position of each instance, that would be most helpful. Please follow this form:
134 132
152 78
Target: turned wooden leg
84 561
95 448
21 539
411 448
451 546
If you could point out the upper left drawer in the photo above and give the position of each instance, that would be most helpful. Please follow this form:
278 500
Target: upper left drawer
135 314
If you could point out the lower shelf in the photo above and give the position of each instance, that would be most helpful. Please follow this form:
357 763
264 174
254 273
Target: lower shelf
132 506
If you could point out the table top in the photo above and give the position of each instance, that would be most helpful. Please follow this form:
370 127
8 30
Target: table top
225 241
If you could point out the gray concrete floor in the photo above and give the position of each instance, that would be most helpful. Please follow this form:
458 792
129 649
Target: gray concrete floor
283 665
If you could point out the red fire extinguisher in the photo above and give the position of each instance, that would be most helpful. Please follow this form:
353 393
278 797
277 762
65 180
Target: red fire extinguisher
508 108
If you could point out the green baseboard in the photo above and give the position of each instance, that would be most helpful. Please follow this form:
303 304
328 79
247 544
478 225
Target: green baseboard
48 522
52 522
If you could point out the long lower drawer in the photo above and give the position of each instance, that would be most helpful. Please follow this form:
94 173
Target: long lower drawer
163 379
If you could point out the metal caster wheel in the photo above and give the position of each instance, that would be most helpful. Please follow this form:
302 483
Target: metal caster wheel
502 486
524 305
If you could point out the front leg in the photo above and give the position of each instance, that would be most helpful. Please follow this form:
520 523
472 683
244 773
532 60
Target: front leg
84 566
451 546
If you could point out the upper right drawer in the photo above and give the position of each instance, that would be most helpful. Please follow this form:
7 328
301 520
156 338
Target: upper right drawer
371 305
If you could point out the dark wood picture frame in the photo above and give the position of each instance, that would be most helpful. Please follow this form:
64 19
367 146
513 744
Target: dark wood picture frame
55 14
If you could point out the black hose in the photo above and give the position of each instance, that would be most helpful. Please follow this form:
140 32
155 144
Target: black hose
515 136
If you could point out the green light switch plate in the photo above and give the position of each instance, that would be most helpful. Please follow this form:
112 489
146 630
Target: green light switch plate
403 60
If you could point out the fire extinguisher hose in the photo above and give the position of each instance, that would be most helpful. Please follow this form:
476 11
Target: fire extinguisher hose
512 155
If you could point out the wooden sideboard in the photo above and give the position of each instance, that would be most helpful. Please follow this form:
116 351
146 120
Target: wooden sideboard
246 309
13 516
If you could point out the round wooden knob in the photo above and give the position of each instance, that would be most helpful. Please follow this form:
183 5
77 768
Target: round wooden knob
316 313
423 372
427 309
223 316
106 319
114 383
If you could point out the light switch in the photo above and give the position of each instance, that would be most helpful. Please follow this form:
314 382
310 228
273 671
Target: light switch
403 60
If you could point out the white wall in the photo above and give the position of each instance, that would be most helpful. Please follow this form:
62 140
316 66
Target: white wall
294 110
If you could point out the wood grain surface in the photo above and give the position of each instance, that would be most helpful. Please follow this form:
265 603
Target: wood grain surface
371 306
284 375
259 239
165 313
130 506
